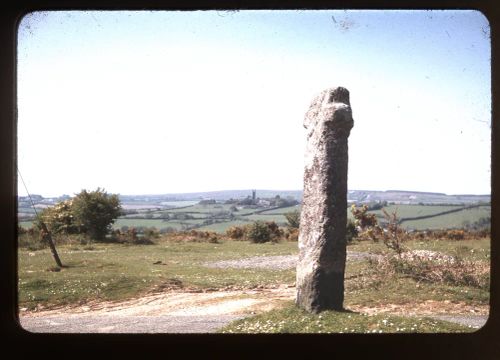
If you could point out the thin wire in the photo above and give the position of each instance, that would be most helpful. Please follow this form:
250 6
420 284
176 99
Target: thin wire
26 188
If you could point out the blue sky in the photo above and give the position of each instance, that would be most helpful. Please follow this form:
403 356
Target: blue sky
164 102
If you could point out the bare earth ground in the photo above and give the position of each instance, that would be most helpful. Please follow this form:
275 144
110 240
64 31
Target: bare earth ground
181 311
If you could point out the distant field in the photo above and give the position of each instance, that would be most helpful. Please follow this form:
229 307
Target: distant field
282 210
243 211
435 216
272 217
222 227
404 211
181 203
159 224
201 208
453 220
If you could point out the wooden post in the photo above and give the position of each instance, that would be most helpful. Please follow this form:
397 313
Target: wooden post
46 236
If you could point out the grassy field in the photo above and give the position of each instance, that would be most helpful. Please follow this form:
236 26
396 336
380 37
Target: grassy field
119 271
158 223
279 219
453 220
26 224
405 211
222 226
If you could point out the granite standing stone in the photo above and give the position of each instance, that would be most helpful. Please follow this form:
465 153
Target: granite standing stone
322 236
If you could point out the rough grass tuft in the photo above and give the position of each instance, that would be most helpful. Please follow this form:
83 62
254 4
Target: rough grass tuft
433 267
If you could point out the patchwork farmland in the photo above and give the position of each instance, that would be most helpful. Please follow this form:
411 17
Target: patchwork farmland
416 211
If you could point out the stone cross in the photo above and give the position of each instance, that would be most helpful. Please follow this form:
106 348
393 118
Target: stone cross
323 220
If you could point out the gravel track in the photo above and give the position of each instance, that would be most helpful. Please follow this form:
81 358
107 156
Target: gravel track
127 324
474 321
280 262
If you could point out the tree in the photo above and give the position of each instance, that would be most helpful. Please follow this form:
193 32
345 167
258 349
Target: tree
95 211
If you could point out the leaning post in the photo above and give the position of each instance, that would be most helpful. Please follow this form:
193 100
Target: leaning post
323 220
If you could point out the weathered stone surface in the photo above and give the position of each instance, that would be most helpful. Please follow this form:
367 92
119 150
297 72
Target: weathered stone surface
322 236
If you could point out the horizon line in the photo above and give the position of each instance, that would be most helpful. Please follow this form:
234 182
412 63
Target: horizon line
276 190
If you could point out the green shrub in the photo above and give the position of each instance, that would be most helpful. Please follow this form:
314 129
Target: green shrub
258 232
293 219
351 231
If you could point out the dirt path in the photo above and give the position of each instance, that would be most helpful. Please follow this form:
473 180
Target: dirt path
171 312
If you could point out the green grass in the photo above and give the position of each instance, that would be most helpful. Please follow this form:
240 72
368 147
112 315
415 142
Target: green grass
371 289
26 224
280 219
450 247
242 211
116 271
291 319
222 226
405 211
138 222
453 220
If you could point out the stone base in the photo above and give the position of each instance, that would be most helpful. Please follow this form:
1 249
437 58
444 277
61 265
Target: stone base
323 291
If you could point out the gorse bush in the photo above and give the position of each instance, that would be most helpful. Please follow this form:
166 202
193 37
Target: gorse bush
259 232
292 234
236 232
59 218
362 218
191 236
